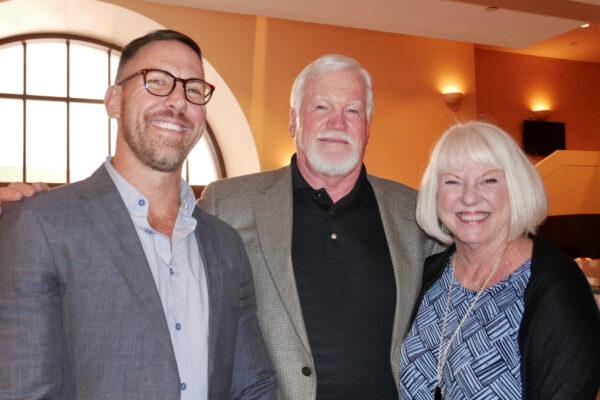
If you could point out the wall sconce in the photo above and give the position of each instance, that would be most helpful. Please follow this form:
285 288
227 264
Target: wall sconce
540 115
453 100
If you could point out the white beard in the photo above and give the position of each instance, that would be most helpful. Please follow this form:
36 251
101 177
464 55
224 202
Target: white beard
326 166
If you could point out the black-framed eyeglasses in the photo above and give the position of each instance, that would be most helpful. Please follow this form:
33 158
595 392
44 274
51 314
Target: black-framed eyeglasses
161 83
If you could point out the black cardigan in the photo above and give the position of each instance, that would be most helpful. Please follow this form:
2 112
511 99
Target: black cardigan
559 337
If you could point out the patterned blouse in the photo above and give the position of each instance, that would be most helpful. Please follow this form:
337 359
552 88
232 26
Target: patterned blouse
484 361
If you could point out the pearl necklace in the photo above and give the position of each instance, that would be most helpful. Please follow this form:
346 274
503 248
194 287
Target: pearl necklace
443 348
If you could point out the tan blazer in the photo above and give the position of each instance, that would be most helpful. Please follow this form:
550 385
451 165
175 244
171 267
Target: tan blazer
260 208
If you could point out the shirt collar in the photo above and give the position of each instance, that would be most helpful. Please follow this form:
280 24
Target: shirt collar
361 190
137 204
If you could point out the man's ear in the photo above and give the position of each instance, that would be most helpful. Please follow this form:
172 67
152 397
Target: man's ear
112 101
292 127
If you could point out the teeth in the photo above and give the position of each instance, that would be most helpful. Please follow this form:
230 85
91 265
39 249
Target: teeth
168 125
473 217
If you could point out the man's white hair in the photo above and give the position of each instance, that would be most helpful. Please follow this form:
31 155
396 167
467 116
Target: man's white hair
331 63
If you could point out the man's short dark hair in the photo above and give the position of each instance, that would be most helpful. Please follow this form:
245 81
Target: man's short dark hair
131 49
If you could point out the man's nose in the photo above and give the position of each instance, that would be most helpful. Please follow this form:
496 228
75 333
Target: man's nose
336 120
176 99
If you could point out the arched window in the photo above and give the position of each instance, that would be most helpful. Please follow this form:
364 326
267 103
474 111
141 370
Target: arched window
51 103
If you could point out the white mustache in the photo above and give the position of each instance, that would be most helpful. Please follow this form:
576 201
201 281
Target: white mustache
336 135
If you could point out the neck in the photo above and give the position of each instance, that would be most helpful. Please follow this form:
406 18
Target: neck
336 186
472 265
160 188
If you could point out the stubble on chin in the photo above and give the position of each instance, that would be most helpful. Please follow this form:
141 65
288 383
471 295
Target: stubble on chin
156 152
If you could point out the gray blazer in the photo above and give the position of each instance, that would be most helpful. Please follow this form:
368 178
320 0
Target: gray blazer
260 208
80 316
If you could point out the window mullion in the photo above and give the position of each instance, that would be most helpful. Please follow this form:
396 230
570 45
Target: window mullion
108 53
24 178
68 43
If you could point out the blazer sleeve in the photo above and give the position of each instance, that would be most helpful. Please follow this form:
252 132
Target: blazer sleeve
30 310
253 376
562 357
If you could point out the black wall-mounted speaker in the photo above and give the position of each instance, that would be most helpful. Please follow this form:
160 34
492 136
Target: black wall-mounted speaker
541 138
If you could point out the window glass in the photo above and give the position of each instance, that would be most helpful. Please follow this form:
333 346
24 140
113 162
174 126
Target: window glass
46 141
11 73
11 148
88 65
113 136
47 67
76 105
202 163
114 64
89 140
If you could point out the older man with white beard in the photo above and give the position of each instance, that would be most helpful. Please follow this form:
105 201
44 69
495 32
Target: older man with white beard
336 253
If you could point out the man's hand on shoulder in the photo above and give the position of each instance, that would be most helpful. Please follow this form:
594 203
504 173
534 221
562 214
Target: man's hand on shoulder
17 190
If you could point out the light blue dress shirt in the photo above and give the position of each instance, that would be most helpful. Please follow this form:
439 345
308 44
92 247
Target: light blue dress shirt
180 279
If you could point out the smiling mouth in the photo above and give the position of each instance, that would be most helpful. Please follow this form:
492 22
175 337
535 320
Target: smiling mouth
472 216
169 126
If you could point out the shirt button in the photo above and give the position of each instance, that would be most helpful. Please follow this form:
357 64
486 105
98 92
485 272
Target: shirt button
178 326
171 271
141 202
306 371
183 386
148 231
334 236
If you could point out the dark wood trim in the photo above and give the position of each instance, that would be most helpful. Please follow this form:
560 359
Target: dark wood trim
24 97
54 35
50 98
24 127
222 171
68 43
108 53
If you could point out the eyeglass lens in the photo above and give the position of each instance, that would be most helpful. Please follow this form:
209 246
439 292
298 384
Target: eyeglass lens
161 83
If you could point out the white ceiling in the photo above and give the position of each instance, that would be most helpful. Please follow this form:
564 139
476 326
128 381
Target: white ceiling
462 20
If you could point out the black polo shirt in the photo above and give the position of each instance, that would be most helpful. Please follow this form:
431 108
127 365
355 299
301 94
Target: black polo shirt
347 291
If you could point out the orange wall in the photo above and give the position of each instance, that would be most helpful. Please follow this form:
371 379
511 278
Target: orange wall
508 84
407 72
259 58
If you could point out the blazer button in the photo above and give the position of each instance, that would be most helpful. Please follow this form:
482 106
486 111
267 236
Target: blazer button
306 371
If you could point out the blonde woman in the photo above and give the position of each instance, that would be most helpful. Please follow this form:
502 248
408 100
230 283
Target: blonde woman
502 314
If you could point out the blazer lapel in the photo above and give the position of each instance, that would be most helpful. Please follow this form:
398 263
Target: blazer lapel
397 216
274 214
209 251
111 221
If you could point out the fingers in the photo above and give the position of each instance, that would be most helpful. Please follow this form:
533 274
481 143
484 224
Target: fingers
16 190
40 186
8 193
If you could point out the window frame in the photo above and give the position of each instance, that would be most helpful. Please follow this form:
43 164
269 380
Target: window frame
110 48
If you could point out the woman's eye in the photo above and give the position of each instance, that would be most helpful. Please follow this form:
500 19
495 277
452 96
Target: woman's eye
450 182
490 180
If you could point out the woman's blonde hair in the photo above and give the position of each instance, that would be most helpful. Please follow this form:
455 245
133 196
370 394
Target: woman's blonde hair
487 144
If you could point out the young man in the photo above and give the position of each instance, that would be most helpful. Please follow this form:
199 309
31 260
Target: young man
117 287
